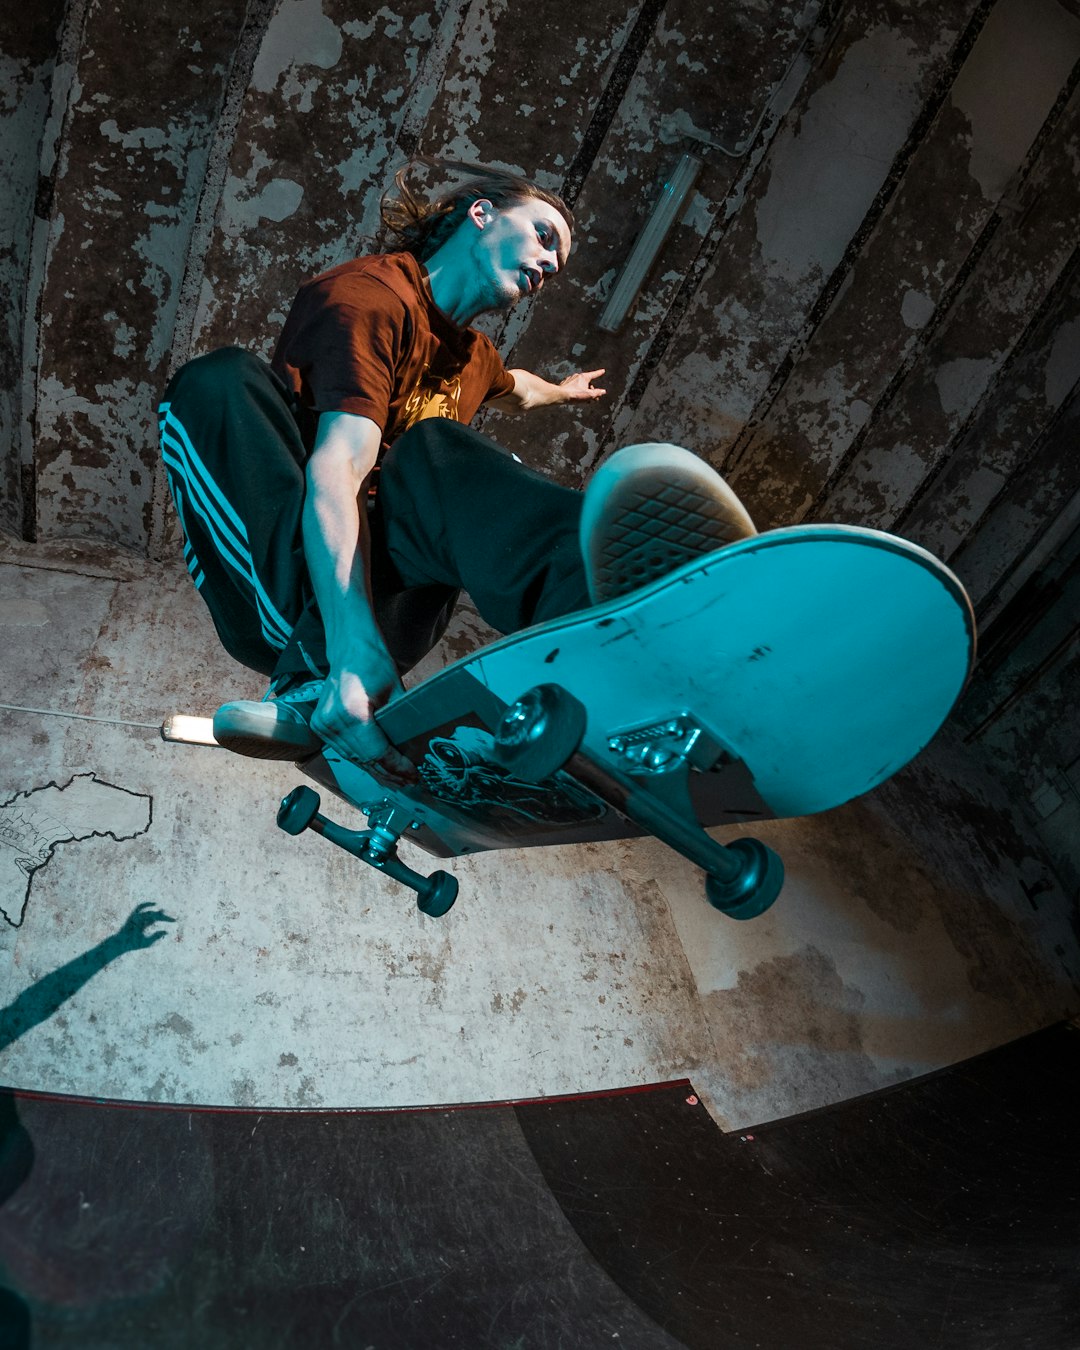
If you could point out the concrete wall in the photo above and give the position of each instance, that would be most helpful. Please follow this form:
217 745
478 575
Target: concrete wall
869 311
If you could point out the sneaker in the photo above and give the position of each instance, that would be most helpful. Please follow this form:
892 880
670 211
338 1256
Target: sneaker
649 509
275 728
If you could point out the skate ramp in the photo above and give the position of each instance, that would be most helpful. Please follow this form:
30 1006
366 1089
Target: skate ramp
942 1212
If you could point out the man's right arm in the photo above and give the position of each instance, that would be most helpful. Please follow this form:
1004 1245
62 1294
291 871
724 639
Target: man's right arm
337 548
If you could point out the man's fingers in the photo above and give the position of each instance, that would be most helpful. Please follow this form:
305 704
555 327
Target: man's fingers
364 744
581 386
397 767
582 379
358 741
344 718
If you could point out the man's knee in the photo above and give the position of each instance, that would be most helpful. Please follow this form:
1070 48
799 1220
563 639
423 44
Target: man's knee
440 442
216 374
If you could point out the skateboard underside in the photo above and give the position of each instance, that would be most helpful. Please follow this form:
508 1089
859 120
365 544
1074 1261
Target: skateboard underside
778 677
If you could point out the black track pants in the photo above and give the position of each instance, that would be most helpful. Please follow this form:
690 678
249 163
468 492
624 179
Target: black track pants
454 511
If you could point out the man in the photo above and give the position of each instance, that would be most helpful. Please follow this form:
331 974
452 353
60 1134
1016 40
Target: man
335 505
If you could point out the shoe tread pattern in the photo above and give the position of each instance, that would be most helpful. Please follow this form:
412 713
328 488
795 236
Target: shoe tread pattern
260 747
656 534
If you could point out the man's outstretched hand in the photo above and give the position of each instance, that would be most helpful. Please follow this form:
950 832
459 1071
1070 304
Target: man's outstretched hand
578 388
532 391
344 715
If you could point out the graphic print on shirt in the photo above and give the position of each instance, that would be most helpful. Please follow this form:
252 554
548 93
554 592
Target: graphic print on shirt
431 396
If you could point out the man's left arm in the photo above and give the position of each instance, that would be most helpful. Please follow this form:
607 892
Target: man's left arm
530 391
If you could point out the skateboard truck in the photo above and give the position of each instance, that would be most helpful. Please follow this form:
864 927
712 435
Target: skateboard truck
542 733
377 845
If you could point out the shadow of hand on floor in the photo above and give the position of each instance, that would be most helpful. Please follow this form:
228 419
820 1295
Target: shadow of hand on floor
37 1003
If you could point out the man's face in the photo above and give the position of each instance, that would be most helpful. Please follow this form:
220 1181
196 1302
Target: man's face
517 248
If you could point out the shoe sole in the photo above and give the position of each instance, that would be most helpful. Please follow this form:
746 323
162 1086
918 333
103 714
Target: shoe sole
260 737
653 509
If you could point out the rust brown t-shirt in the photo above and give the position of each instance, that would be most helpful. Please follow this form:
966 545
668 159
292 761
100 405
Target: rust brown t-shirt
367 338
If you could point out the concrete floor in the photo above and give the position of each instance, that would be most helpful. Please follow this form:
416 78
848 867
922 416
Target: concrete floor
919 925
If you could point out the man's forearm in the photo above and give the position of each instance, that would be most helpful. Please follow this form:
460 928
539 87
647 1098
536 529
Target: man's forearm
362 676
532 391
337 550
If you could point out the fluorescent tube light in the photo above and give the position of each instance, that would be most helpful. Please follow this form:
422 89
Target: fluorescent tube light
649 242
188 730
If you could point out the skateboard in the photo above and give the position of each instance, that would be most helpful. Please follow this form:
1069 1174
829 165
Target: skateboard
779 676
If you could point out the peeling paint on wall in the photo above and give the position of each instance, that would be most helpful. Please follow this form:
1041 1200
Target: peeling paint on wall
709 414
803 445
27 56
819 187
744 52
960 382
127 184
1040 42
309 159
300 34
1062 364
913 441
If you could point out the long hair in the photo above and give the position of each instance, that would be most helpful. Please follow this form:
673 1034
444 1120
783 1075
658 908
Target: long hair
413 224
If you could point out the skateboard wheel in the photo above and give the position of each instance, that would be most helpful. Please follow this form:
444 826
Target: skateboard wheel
756 886
298 810
438 895
540 732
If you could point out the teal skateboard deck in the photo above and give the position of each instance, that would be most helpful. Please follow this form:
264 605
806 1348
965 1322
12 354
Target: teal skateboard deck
780 676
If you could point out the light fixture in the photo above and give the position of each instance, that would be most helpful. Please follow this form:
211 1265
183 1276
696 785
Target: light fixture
188 730
649 242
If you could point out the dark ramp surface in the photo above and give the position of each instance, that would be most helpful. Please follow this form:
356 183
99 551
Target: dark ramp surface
941 1213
